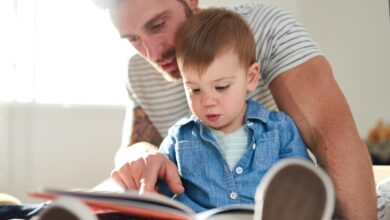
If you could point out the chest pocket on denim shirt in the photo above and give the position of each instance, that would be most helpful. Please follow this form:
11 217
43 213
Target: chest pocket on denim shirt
267 150
189 155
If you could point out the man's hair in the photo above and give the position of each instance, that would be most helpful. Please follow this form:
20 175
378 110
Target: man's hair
107 4
113 4
210 33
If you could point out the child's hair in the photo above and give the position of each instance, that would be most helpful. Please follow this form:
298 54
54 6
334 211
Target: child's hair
211 32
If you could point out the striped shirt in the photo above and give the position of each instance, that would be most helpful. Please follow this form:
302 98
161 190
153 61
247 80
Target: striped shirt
232 145
282 43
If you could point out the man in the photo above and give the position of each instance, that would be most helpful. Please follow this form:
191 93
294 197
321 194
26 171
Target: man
298 76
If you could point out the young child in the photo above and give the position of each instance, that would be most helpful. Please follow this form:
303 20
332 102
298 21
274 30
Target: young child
229 142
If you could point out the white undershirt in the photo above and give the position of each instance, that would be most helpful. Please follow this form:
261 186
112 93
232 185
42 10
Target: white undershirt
232 145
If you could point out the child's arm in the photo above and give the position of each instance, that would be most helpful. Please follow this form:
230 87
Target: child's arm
167 147
166 184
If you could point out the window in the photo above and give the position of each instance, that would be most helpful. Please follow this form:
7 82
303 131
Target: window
61 52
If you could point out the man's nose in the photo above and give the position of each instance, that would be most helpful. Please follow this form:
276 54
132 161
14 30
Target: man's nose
153 49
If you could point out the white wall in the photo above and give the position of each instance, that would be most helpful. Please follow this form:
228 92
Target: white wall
355 36
53 145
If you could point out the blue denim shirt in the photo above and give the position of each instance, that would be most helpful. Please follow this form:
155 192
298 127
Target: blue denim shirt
205 174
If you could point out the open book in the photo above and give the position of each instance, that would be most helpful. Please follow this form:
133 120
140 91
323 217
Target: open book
148 205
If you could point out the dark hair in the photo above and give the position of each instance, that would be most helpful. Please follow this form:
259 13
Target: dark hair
211 32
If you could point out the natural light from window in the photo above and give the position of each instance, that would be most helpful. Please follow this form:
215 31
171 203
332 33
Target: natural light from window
61 52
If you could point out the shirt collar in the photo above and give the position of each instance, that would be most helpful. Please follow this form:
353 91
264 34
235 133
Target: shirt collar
256 111
187 120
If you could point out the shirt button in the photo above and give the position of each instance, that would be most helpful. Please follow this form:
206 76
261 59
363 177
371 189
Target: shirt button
239 170
254 146
233 195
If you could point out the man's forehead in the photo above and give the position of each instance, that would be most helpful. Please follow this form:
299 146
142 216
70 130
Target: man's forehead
132 15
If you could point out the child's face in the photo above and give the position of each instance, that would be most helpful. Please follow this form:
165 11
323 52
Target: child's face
218 97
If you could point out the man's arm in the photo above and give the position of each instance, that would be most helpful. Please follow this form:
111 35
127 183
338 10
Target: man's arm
137 128
143 129
311 96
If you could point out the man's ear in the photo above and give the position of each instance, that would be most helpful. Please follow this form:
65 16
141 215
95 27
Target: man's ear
253 77
194 5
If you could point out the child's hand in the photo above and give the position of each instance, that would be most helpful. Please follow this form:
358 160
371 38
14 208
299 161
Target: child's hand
143 167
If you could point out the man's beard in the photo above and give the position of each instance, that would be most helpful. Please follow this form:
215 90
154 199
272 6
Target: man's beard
167 55
169 76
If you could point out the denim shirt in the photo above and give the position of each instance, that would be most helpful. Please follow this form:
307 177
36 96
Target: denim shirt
205 174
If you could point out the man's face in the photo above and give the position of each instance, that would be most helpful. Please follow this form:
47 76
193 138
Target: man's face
151 26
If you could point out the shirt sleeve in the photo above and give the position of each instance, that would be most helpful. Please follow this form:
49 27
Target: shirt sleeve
167 146
292 144
133 102
282 42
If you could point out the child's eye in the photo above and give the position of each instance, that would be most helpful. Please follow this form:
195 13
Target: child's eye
194 91
221 88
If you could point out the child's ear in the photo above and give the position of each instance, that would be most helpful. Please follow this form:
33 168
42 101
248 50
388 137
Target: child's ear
253 77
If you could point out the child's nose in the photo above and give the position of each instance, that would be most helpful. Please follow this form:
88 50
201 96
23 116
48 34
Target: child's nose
209 100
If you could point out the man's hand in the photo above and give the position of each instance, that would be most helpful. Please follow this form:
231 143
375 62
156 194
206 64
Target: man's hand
142 165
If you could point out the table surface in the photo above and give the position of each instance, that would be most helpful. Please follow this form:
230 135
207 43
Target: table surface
381 172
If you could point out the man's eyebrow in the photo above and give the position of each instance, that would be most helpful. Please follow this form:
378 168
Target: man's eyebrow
155 18
124 36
